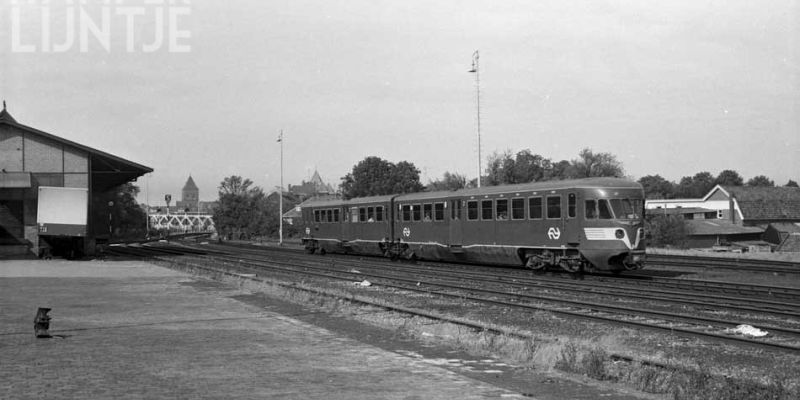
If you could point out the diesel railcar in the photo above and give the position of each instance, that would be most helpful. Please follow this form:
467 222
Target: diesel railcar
578 225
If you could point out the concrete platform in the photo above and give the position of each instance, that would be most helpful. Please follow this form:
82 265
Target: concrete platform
133 330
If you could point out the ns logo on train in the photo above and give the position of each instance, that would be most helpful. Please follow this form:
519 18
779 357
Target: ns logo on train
554 233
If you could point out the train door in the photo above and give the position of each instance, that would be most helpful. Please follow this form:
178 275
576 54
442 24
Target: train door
571 227
456 217
345 223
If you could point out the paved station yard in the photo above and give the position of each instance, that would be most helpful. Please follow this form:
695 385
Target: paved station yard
134 330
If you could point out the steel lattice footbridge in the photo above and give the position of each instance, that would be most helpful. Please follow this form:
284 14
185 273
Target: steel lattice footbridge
182 222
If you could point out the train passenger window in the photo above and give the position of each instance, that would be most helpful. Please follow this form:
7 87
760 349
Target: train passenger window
487 211
502 209
438 211
354 213
406 211
427 212
605 210
345 214
379 213
472 210
591 209
553 207
518 208
335 215
362 214
370 214
535 207
416 212
572 204
316 216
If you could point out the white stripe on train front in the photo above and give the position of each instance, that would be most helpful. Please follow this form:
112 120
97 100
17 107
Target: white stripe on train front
610 234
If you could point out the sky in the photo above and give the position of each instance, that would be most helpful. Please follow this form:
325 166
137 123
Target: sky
203 88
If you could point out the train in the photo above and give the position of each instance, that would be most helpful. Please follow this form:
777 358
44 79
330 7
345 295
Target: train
579 225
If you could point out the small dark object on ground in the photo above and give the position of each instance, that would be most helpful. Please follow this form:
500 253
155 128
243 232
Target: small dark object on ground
41 324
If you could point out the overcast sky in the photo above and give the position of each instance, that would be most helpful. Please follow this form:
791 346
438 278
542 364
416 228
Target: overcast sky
670 88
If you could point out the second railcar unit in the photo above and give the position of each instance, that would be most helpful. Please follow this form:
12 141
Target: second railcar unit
586 224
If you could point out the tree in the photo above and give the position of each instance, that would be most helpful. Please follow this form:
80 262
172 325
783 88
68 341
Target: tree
656 187
449 181
760 180
499 169
588 164
729 177
238 213
118 208
696 186
374 176
529 167
791 183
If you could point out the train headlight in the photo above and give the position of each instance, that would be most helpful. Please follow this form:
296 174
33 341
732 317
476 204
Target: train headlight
619 233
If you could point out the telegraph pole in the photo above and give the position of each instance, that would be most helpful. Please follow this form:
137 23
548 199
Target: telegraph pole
477 73
280 196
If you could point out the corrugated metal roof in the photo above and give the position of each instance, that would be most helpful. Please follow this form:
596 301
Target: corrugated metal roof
718 227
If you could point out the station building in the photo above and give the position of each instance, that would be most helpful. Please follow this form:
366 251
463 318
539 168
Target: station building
31 159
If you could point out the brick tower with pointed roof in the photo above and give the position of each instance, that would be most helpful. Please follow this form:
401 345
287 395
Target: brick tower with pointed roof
190 196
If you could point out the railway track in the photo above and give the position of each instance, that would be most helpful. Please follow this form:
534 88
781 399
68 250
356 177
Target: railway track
739 264
510 293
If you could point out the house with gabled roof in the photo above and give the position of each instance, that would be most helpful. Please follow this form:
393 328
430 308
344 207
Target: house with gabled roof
742 211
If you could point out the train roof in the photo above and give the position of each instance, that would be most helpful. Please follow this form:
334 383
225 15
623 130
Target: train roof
342 202
586 183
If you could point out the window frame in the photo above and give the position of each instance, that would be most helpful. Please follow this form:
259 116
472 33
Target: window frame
438 211
540 207
476 203
550 207
513 200
416 212
497 209
484 209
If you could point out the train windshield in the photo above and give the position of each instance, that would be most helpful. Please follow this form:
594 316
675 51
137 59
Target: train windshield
627 208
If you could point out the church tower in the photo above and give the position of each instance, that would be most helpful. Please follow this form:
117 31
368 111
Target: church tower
190 195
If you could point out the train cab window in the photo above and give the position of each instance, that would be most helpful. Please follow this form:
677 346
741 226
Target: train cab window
354 214
553 207
535 207
572 203
472 210
316 216
438 211
487 211
518 208
335 215
625 208
362 214
416 212
406 212
502 209
427 212
591 209
605 210
379 213
370 214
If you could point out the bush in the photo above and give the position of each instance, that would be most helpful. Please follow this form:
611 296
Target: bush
666 231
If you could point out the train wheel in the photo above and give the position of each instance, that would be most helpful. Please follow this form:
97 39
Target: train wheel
310 250
535 264
322 252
